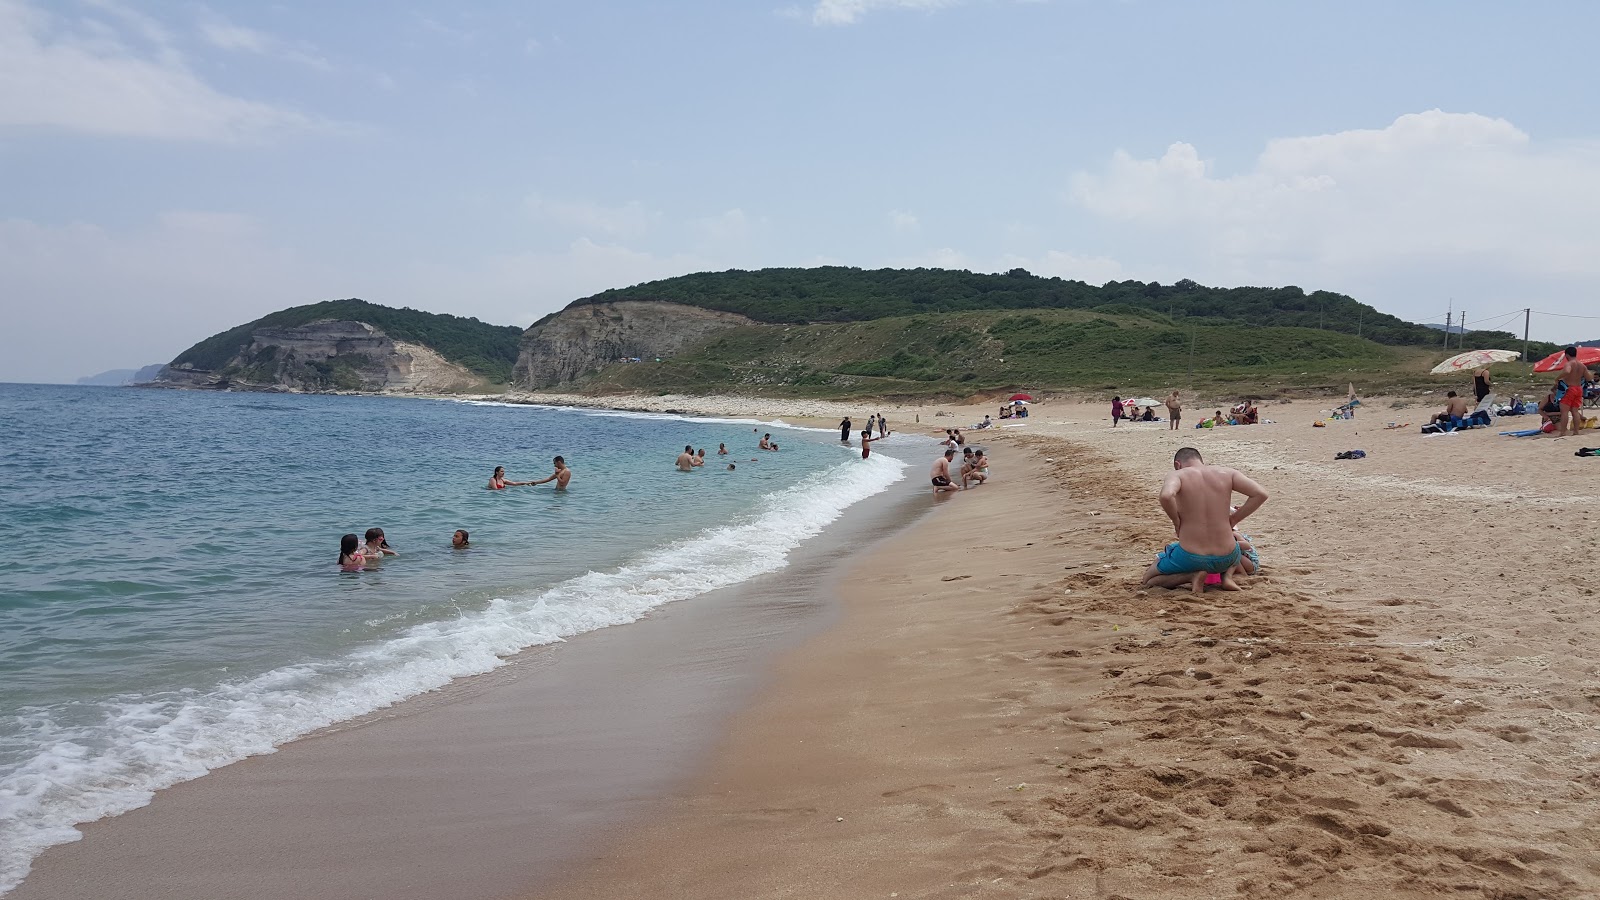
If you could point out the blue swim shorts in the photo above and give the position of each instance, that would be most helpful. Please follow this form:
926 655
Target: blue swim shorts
1177 561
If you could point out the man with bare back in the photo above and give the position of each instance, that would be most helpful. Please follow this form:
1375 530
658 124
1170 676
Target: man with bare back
1569 393
941 473
1197 498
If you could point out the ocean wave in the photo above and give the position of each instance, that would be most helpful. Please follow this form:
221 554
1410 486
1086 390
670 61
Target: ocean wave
649 416
91 767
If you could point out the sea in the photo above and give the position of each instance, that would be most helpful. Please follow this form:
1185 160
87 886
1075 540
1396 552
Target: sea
171 602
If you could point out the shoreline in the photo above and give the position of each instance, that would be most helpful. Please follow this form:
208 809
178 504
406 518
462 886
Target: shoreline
1001 712
473 789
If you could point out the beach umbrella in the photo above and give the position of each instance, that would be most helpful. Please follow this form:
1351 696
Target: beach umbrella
1142 401
1474 359
1586 355
1022 396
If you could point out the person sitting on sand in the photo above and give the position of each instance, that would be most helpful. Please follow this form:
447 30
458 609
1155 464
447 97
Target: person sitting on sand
766 441
1455 410
986 423
980 462
1197 498
562 476
1218 419
1005 412
685 461
969 469
460 540
1252 416
350 558
377 546
498 482
941 473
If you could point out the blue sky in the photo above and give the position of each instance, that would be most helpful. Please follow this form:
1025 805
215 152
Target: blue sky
170 168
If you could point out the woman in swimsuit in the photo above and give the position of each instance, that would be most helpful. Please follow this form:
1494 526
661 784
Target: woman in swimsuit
350 558
498 482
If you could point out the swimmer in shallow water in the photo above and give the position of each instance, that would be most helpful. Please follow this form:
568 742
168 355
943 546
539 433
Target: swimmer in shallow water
350 558
498 482
377 546
562 476
460 540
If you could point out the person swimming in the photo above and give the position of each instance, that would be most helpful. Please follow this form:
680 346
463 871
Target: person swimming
498 482
460 540
377 546
350 558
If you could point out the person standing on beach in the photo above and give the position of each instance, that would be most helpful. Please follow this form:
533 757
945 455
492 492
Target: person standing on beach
686 459
561 476
1481 385
1174 410
941 473
844 430
1199 500
1569 394
1116 411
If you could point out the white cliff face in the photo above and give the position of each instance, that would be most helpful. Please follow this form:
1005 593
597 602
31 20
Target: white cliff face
585 339
329 356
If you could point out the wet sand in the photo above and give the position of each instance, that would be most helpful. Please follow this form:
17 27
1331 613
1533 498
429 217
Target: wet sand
1405 704
482 788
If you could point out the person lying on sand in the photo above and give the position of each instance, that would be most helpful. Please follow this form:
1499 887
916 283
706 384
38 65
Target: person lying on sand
1197 498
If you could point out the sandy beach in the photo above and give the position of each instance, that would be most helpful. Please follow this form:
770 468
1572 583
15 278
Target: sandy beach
1404 704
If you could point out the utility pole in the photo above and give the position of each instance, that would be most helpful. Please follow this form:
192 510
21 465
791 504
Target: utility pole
1461 338
1527 314
1448 316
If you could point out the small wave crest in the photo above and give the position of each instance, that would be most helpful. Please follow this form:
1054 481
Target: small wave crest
77 768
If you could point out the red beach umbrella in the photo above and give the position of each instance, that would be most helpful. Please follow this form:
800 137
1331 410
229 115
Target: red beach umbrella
1028 397
1586 355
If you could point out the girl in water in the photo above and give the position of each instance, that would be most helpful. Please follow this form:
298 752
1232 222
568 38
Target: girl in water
350 558
498 482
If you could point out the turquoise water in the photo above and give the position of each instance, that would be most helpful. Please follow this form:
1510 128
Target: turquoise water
169 595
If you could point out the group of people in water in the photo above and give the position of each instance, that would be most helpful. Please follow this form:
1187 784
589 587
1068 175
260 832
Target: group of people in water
356 552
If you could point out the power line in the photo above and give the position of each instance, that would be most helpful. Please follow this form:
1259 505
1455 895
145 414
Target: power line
1564 315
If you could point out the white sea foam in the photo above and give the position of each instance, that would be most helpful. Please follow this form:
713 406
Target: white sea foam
141 744
652 416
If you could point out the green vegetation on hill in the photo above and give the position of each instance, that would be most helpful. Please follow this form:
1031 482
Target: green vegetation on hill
967 353
483 349
841 294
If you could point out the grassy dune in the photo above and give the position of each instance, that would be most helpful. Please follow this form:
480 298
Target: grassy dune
968 353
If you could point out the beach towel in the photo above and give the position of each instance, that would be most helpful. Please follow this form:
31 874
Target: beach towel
1351 454
1530 432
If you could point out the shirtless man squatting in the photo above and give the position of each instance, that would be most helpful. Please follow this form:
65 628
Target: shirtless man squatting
1197 498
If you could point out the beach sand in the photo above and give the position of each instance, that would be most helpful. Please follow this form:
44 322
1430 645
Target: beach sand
1405 704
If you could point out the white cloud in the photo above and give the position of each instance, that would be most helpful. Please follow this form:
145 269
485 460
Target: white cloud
1431 186
226 35
631 219
94 77
848 12
903 221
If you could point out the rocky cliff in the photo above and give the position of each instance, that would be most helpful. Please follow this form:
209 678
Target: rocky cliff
326 356
583 339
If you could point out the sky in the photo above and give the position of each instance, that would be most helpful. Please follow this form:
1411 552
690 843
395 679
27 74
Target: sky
172 168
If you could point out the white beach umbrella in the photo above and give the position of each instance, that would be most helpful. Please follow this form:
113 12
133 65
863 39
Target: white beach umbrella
1474 359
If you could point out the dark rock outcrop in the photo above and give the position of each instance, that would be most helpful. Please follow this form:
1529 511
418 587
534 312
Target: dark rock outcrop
327 356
